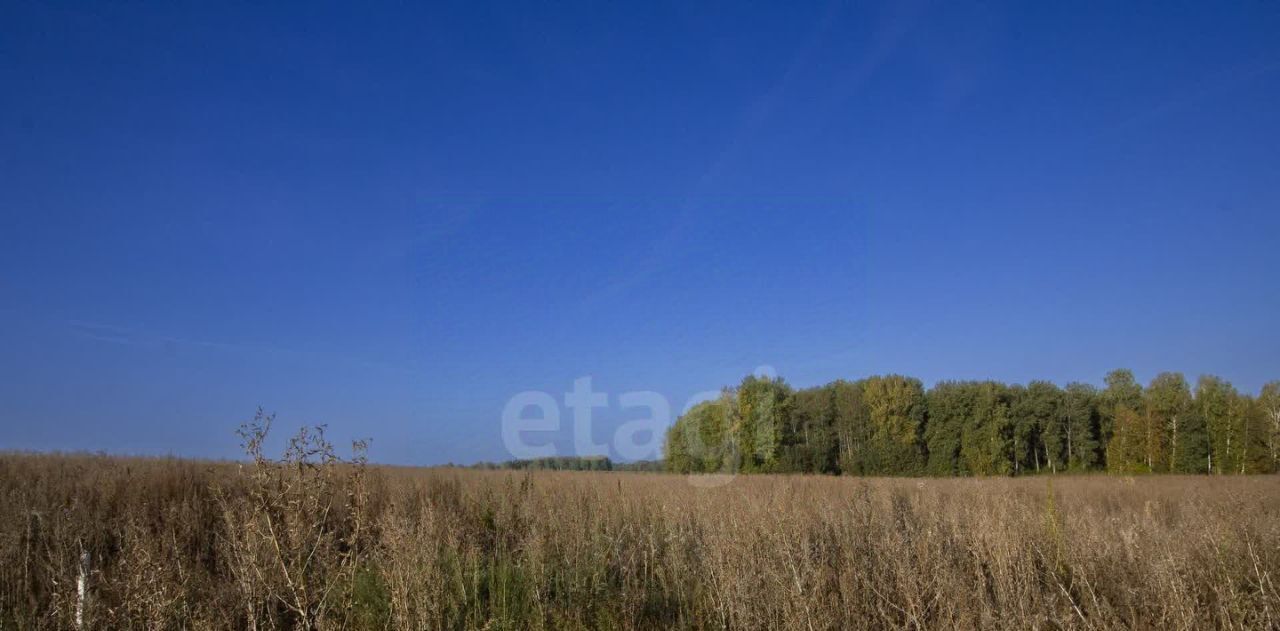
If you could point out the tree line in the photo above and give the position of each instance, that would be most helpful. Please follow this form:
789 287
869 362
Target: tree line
893 425
555 463
570 463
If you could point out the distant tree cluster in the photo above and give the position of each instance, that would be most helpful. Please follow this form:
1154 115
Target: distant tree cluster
892 425
641 466
564 463
574 463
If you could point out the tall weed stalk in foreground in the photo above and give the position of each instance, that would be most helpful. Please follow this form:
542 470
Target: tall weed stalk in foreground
295 535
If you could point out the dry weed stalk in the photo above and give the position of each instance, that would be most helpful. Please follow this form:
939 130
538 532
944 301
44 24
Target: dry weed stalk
296 537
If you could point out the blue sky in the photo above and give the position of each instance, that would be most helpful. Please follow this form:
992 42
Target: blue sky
392 218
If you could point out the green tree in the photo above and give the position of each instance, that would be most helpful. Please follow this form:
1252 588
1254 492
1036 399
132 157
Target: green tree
1254 454
853 426
763 412
1167 401
1269 407
1080 420
896 409
1127 449
810 443
675 451
986 439
700 441
1122 392
1216 400
1039 427
1191 452
947 404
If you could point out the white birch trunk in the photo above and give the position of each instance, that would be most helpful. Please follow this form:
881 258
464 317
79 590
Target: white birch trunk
82 589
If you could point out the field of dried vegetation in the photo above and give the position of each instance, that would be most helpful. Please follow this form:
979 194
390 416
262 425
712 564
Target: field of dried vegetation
313 541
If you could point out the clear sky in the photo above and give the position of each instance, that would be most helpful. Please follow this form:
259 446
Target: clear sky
393 218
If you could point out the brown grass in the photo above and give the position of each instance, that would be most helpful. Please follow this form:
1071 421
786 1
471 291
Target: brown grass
183 544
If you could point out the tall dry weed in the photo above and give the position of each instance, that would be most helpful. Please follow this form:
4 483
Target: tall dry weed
309 540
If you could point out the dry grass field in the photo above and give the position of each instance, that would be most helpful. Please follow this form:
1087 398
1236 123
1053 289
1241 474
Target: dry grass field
310 541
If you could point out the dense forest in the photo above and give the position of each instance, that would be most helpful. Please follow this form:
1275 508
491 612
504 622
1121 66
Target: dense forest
892 425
